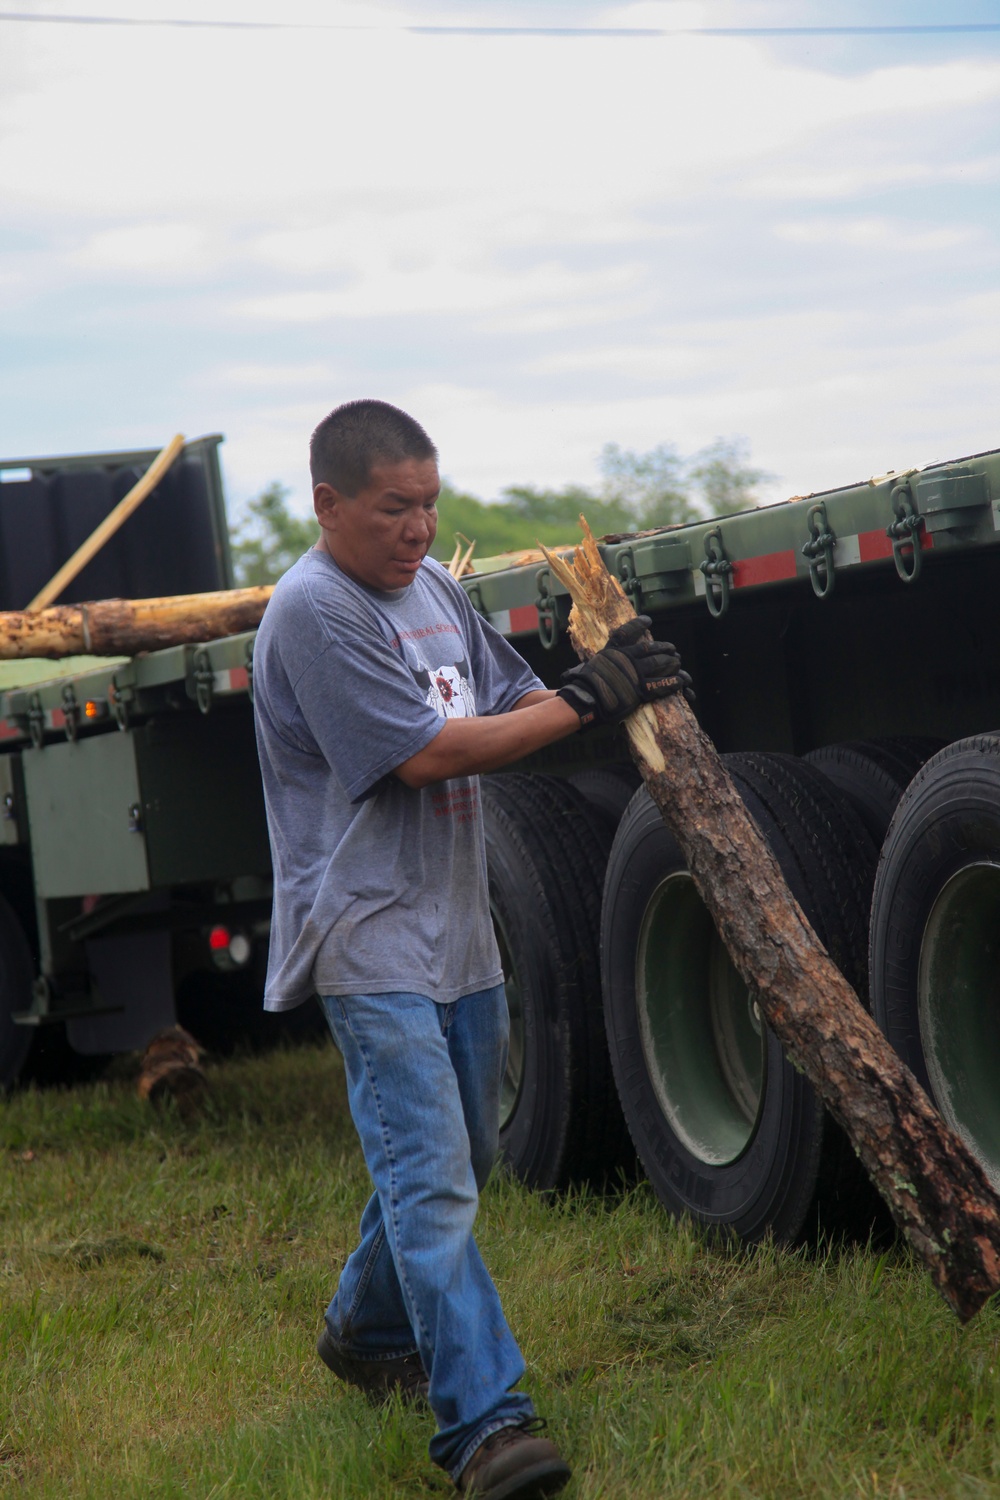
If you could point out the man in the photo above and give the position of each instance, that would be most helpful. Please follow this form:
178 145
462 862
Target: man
380 696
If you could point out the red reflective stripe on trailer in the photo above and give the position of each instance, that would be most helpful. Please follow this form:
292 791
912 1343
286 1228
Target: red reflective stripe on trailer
57 718
523 617
9 731
230 680
772 567
873 545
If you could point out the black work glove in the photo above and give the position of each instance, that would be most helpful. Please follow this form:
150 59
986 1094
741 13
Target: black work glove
625 673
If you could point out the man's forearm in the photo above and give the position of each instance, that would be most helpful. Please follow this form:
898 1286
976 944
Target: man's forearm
468 747
538 695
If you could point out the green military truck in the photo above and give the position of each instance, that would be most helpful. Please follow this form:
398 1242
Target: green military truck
841 645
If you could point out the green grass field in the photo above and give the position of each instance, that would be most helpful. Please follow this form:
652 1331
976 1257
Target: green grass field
163 1284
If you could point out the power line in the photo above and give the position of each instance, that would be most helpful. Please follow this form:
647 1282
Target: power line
200 24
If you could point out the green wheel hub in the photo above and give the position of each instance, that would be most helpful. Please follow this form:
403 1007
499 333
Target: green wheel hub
957 1005
701 1030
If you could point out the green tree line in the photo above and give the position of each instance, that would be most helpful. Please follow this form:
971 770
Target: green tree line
637 491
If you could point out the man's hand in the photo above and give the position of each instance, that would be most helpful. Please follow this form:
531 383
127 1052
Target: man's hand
624 674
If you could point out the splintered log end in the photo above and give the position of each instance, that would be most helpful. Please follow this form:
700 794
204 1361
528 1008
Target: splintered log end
599 602
560 567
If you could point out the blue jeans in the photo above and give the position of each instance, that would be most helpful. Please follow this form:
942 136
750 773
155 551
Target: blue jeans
424 1088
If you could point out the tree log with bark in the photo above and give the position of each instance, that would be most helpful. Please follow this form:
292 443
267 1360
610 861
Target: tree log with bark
171 1066
935 1188
121 627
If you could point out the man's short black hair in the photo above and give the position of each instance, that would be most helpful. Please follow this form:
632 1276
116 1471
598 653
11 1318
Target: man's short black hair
360 434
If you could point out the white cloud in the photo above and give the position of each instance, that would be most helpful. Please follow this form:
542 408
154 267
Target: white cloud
666 14
897 236
248 123
157 250
442 288
262 376
540 244
824 408
854 178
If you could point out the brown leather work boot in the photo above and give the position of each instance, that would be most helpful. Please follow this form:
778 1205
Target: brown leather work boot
514 1464
377 1378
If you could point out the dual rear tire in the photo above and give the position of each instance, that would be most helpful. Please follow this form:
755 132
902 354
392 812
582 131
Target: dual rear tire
546 853
935 923
728 1131
935 939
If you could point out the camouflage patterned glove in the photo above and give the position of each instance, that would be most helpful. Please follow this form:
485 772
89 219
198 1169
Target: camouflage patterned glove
624 674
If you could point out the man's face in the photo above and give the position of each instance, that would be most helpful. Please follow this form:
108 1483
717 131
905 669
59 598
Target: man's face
381 535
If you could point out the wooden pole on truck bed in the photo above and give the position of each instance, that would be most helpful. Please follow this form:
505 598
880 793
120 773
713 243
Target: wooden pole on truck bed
937 1191
121 627
107 528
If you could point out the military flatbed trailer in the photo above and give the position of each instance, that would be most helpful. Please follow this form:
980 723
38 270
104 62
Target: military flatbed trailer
843 650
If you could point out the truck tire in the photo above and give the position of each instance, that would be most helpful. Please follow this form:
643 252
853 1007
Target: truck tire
17 972
608 789
546 853
935 938
727 1129
874 774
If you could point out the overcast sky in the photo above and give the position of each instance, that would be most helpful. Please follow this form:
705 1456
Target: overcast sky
537 244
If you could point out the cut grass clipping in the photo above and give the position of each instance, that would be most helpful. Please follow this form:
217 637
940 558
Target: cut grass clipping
163 1283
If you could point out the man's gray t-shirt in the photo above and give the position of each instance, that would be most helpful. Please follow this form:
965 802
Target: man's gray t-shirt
377 887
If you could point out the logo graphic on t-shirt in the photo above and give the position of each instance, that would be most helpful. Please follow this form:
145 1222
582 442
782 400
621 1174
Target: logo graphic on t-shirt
447 690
